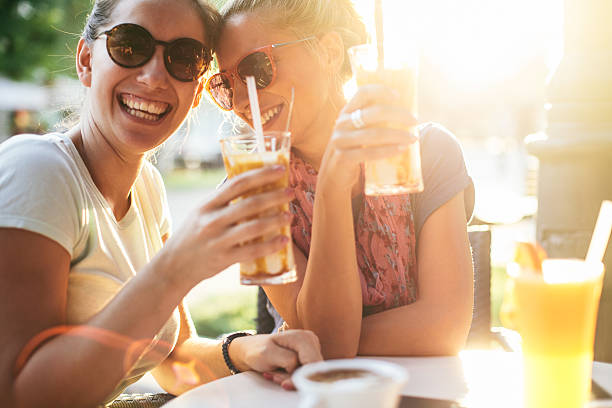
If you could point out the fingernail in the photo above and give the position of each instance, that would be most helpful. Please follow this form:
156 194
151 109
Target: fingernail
278 167
286 216
267 376
289 191
284 239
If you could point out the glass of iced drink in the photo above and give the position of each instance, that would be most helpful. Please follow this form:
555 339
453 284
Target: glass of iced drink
398 174
240 154
555 314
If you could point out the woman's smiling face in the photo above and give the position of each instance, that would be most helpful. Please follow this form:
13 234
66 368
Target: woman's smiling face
137 109
297 67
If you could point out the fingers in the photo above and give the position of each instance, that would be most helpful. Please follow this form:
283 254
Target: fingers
283 358
254 205
245 182
372 153
303 342
379 115
258 227
281 378
358 139
254 250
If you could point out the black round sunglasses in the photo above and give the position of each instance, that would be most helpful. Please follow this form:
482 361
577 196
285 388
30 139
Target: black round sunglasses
131 46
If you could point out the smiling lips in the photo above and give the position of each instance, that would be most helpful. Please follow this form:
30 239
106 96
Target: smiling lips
265 116
144 108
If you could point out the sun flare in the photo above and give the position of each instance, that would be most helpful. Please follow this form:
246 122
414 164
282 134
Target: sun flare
474 41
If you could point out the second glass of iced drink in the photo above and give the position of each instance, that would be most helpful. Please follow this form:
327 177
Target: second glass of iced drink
398 174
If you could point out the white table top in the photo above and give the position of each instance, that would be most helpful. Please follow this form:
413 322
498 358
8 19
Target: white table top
482 378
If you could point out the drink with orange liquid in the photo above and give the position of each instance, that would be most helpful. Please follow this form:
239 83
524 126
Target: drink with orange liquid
239 155
555 313
398 174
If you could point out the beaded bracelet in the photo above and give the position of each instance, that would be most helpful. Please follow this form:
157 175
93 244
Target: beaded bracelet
225 346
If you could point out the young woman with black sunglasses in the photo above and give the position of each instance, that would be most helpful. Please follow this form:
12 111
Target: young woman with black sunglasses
91 283
388 275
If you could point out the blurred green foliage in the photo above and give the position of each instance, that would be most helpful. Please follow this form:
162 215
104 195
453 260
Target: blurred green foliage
38 37
183 179
498 286
224 313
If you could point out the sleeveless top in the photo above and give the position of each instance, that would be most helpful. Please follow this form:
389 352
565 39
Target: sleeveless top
385 240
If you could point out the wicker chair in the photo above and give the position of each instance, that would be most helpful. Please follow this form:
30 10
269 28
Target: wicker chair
140 400
481 334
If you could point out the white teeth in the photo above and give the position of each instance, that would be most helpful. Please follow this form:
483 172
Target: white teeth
143 115
151 107
266 116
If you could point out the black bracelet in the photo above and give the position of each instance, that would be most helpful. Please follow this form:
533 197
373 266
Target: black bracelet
225 346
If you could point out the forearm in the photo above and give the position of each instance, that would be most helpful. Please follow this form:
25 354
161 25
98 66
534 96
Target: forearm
329 302
88 362
196 361
418 329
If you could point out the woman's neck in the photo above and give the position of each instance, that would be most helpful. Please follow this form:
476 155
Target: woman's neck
112 173
316 136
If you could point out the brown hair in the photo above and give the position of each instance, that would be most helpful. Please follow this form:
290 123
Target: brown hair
306 17
103 9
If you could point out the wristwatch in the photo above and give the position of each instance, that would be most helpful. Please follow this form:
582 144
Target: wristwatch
225 346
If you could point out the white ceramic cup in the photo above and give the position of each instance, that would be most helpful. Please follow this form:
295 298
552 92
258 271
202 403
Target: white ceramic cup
380 390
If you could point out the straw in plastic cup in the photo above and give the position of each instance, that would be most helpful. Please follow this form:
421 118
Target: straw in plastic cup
601 233
380 33
255 112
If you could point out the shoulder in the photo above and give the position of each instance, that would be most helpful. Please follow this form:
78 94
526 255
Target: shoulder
441 152
152 178
42 188
437 140
35 155
444 173
151 189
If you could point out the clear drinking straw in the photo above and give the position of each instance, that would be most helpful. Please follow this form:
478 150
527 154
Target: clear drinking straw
290 109
601 233
255 113
380 35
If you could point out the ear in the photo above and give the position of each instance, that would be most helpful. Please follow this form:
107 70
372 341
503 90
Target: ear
333 51
198 94
83 63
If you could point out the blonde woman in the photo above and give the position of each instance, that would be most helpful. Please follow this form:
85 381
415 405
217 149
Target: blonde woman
377 275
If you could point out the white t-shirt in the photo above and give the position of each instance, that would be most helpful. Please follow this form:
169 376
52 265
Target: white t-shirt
46 188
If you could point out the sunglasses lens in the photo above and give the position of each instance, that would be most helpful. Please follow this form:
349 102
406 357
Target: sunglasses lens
186 59
220 89
259 66
130 45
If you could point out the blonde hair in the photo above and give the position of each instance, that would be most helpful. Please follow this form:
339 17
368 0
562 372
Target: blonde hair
306 17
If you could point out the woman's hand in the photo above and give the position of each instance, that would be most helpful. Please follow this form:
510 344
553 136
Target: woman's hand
276 355
385 132
220 233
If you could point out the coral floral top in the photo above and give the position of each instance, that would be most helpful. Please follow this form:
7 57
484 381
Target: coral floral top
385 240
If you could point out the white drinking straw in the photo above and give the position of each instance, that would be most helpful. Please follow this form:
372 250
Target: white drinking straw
290 109
255 113
601 233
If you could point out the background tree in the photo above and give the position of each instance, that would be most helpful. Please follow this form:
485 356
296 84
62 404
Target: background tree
38 37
